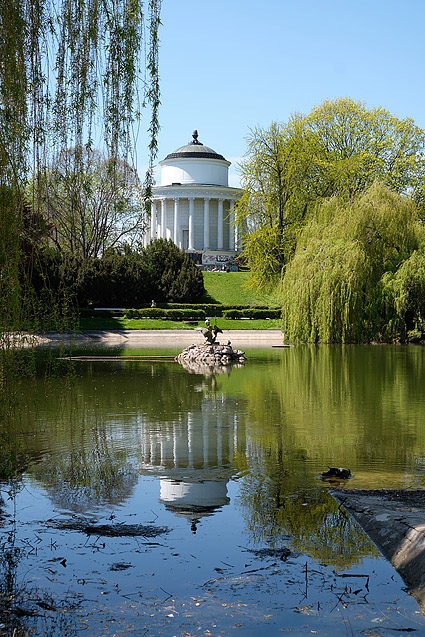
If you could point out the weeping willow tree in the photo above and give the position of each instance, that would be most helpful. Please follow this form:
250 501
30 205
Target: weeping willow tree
73 74
353 270
70 77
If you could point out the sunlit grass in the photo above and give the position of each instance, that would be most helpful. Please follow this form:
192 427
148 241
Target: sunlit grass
230 288
159 324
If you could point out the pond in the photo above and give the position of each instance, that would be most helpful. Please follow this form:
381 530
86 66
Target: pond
158 500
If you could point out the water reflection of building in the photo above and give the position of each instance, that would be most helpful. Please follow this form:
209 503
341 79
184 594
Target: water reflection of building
193 457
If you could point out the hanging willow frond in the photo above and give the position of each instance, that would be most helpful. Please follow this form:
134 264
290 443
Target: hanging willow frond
70 76
349 275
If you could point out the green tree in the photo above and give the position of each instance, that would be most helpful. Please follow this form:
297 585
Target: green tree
70 71
93 203
356 146
341 147
172 276
338 286
274 202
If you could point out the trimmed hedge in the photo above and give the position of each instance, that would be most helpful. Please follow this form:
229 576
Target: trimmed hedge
160 313
183 312
92 313
210 309
252 313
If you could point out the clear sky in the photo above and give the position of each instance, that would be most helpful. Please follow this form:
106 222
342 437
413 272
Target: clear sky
228 65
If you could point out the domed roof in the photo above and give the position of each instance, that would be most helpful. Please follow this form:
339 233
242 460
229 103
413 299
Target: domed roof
194 149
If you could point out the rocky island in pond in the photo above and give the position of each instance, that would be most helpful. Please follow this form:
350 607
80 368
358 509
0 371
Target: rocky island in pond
211 357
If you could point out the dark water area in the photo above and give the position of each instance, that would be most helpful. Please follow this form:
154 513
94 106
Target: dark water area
158 500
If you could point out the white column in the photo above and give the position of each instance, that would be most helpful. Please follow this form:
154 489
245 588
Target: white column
206 223
175 450
153 220
191 222
220 225
205 431
219 440
232 226
189 441
163 229
176 220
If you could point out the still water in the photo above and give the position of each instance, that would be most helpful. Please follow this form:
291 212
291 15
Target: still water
159 500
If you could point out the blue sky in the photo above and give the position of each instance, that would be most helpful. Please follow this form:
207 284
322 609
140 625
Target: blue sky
226 66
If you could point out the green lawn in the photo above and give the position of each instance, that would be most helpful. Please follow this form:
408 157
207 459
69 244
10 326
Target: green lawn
159 324
230 288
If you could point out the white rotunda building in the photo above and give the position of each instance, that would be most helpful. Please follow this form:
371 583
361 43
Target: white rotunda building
194 205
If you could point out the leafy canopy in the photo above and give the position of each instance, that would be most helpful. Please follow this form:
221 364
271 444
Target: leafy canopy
341 284
341 147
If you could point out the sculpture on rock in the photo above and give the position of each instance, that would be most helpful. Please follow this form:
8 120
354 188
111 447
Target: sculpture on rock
210 332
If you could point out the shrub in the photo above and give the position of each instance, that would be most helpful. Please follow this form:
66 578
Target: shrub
172 275
252 313
121 278
172 315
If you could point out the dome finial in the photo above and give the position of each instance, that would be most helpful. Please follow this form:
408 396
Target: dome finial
195 137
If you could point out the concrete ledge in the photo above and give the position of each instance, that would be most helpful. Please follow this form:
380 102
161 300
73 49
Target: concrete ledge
395 521
168 337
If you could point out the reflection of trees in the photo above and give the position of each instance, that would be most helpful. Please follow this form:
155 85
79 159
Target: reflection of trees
309 520
82 478
275 506
11 591
26 609
344 406
314 406
93 431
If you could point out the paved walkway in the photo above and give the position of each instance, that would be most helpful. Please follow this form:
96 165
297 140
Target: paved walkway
253 338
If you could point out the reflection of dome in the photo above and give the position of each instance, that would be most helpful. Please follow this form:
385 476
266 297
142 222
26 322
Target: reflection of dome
193 500
207 494
193 458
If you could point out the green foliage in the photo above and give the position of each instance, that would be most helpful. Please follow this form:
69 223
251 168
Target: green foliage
274 175
341 148
268 250
198 313
120 278
213 309
356 146
340 286
404 294
251 313
66 68
171 315
111 281
173 277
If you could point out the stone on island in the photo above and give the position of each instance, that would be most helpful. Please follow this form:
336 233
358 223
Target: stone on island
210 354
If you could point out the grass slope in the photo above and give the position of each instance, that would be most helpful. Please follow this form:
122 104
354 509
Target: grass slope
230 288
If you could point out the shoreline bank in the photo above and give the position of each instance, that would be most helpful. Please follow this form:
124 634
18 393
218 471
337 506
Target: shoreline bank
163 338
